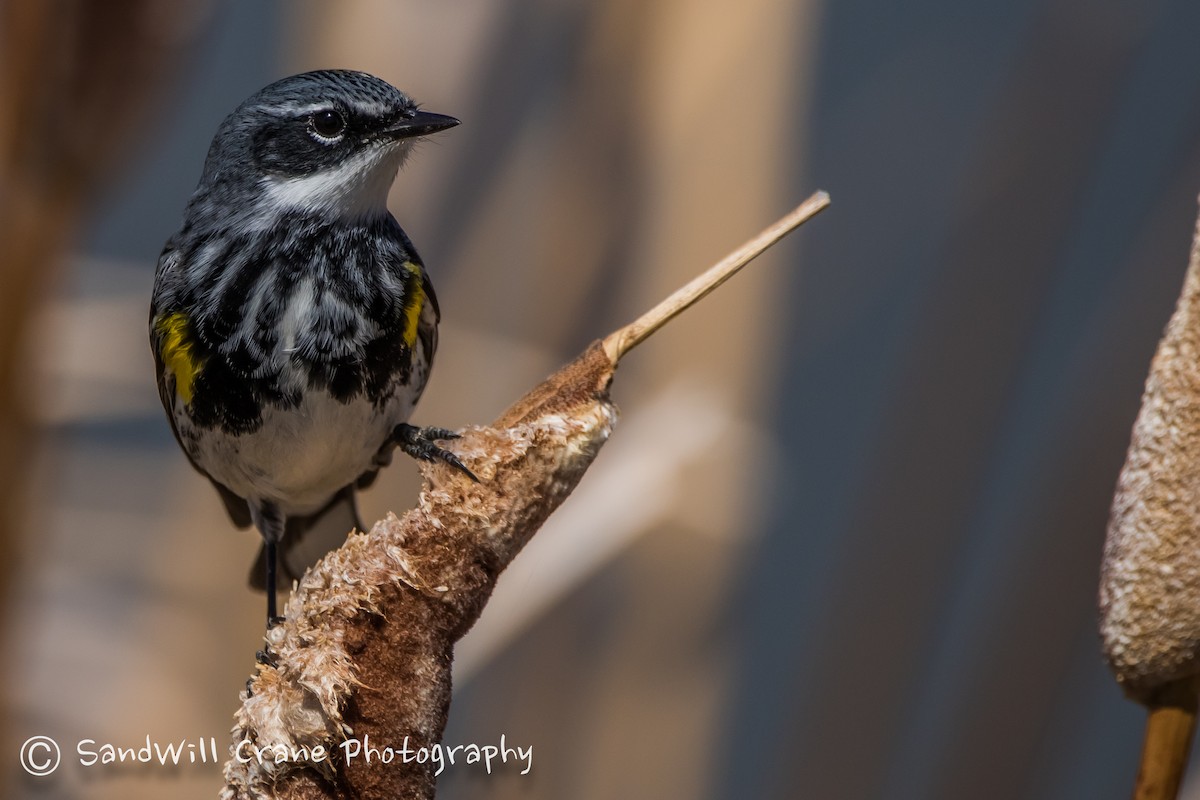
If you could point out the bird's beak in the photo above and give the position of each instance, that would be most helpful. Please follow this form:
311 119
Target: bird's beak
422 123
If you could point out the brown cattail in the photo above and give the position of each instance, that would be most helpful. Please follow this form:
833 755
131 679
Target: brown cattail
368 637
1150 577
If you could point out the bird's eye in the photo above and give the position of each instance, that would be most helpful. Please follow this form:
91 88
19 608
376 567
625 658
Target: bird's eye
327 124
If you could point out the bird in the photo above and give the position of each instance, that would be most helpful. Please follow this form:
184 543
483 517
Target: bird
293 324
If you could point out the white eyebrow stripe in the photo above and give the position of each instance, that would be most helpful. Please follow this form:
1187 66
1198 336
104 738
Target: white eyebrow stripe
284 109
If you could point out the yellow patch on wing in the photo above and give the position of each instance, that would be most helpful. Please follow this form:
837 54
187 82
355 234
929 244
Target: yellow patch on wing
413 304
178 353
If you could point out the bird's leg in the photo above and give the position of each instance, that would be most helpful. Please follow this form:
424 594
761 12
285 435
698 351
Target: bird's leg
272 569
420 444
270 523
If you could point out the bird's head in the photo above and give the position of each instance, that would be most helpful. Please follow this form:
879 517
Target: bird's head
327 142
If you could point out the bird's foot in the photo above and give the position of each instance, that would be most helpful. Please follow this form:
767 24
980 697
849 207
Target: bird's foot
420 443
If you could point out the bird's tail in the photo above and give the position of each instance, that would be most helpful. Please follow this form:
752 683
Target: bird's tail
308 538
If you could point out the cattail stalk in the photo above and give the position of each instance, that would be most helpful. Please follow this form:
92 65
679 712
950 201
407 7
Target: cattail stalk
366 647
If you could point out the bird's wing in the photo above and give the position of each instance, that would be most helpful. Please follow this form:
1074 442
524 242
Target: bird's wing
235 506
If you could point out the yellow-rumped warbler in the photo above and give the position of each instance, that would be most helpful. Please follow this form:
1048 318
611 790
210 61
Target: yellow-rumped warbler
292 322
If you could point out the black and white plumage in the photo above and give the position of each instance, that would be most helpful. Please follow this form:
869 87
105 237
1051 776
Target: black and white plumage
293 324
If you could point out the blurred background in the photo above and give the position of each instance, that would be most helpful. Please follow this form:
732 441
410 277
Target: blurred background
845 540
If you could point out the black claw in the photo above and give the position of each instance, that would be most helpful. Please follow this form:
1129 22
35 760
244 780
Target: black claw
265 657
419 443
453 460
276 620
249 691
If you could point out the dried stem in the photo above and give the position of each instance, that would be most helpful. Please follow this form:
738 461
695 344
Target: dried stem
621 341
366 647
1170 727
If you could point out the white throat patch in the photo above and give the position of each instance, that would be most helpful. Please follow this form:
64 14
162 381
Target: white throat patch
357 187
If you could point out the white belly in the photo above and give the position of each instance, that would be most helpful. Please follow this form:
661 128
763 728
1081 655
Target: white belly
299 458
